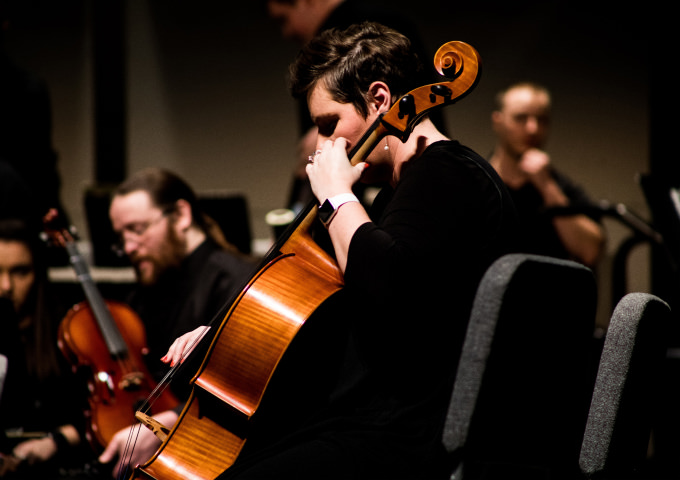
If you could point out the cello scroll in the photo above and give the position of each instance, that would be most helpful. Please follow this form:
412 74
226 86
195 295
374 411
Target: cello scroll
456 60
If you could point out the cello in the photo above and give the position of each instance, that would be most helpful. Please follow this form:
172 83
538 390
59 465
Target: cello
106 339
265 317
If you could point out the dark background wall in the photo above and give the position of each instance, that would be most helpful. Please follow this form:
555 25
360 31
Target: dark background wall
201 89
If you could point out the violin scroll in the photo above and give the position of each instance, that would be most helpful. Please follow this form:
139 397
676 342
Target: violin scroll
56 232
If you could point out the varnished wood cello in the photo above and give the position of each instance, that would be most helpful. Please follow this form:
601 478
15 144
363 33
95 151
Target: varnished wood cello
263 320
107 340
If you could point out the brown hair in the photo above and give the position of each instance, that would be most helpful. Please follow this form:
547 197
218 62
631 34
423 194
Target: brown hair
348 61
165 189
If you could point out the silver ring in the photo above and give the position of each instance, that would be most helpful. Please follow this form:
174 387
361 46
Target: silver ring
312 157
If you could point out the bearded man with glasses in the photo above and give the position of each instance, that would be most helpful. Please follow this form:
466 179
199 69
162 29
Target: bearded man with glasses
186 275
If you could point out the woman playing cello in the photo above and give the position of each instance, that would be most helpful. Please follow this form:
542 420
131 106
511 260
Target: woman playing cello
411 266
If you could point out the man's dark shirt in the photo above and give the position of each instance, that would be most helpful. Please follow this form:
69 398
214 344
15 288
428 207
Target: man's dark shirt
536 232
184 299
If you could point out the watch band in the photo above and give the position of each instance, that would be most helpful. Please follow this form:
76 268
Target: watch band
329 208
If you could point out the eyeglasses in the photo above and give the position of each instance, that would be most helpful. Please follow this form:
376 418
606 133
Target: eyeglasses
134 233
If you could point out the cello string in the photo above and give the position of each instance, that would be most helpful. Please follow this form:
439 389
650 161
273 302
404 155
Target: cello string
130 444
164 383
127 452
167 378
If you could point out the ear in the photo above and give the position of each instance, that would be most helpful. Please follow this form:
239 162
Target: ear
380 97
183 215
496 118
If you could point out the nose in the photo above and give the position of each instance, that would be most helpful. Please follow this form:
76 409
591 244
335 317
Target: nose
127 244
5 284
532 125
320 140
130 246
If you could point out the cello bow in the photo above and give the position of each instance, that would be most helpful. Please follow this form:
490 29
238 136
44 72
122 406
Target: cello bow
265 317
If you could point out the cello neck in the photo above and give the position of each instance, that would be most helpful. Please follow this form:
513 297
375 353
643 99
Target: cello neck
303 222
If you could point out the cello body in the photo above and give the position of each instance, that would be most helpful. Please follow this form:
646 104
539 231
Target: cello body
263 320
296 277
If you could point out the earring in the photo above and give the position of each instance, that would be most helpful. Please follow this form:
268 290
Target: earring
387 147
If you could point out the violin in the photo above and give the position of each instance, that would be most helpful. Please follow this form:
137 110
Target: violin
265 317
107 340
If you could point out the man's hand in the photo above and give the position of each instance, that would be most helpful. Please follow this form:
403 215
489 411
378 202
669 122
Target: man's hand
535 164
135 444
36 450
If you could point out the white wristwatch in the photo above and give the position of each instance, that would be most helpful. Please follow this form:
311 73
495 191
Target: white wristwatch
330 207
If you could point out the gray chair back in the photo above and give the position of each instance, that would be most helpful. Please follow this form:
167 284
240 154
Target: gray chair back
522 390
627 389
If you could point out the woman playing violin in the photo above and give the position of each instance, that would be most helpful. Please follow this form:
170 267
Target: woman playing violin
411 266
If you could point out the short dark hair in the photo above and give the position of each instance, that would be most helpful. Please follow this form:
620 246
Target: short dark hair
165 188
499 100
348 61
